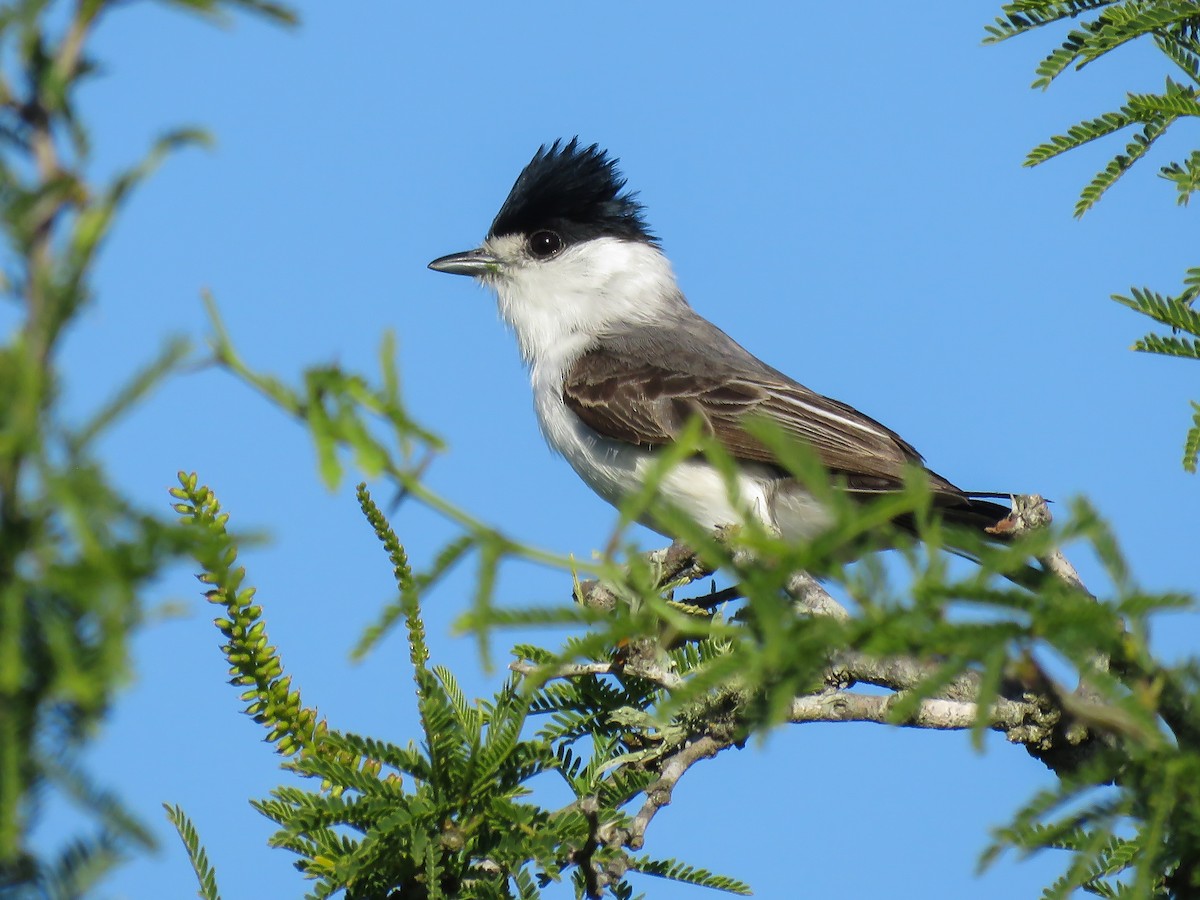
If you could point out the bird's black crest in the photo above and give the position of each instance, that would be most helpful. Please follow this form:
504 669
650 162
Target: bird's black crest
577 192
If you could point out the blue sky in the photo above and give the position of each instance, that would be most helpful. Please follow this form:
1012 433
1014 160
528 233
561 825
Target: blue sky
838 187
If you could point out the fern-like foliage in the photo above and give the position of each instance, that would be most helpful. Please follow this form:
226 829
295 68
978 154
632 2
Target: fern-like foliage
448 817
195 851
1155 806
1191 446
1022 16
1174 28
1128 839
1177 313
1154 113
1185 175
679 872
654 682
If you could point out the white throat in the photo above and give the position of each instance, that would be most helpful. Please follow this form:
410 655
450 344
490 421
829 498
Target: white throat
559 306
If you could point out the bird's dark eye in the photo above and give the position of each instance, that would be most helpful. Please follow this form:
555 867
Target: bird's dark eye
544 244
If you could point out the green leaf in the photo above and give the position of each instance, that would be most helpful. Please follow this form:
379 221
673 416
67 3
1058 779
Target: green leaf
1078 135
1060 59
527 889
1175 312
1168 346
1023 17
1181 49
278 13
1191 446
205 873
1131 20
1120 164
677 871
1177 101
1185 176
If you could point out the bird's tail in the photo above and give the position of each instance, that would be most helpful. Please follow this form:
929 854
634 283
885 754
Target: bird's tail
976 511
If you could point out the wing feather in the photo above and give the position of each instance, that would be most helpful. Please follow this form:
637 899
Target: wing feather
621 396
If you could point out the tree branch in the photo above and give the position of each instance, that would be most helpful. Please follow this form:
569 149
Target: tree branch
1040 717
900 673
1008 716
658 794
678 562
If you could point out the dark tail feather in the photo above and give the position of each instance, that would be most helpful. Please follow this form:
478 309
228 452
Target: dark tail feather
974 511
977 512
968 510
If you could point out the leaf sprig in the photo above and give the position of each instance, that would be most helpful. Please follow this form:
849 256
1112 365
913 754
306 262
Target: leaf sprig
1174 28
450 817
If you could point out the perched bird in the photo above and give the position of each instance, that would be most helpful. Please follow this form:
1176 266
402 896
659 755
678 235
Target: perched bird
619 362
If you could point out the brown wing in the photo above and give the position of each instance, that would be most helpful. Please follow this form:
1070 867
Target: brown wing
648 404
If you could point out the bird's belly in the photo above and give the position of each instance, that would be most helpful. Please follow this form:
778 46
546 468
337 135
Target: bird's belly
615 470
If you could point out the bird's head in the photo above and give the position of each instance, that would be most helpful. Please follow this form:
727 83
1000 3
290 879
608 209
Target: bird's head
569 253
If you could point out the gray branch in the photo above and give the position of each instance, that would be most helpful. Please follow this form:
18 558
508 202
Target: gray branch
1014 718
658 794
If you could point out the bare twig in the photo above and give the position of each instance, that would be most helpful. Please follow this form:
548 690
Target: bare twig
658 794
592 885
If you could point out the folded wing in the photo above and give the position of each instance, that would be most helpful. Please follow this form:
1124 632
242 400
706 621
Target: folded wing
621 396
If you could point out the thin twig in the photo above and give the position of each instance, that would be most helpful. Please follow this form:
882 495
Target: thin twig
658 794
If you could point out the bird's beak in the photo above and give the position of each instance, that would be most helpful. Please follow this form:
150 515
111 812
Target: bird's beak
469 262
